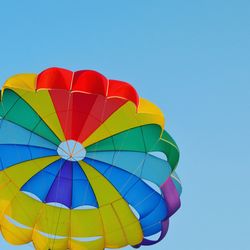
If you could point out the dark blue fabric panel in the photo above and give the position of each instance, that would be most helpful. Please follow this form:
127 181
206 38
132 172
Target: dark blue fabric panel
157 215
136 192
14 154
100 166
41 183
121 179
82 191
143 198
37 152
152 229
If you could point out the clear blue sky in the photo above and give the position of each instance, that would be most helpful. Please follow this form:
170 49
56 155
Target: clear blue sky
192 58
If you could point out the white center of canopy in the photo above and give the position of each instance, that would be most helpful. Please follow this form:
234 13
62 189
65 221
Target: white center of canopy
71 150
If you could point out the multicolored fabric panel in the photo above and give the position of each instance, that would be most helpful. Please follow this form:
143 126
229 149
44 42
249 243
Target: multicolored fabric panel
84 163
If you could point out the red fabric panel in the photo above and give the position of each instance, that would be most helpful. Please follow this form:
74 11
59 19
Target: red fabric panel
101 111
63 107
86 81
54 78
80 114
85 99
123 89
90 81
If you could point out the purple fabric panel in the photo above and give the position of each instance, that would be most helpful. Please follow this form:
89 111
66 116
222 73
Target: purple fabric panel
61 189
171 196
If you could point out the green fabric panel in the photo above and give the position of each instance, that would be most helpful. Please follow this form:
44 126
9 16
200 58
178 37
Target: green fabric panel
151 135
106 144
131 139
146 138
1 105
169 147
18 111
8 101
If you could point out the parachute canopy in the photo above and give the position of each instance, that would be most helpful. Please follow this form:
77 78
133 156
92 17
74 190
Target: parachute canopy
85 163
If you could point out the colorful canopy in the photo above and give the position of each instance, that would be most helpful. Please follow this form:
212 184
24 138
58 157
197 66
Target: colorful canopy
84 163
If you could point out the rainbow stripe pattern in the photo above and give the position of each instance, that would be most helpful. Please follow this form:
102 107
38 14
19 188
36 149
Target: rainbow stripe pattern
85 163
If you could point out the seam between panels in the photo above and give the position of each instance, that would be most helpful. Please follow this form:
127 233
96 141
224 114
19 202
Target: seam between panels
121 198
134 113
69 232
170 143
102 121
141 165
21 98
12 105
89 183
122 229
60 208
116 134
30 153
10 201
28 104
25 145
41 119
30 131
29 161
98 208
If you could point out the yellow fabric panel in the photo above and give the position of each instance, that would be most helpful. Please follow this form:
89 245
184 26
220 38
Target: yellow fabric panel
3 179
86 223
21 81
7 193
41 102
147 107
134 234
129 222
114 219
41 242
24 209
104 191
14 234
90 245
54 220
113 231
22 172
125 118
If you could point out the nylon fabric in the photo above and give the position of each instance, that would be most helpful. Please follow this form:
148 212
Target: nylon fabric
127 117
41 102
138 163
18 111
11 133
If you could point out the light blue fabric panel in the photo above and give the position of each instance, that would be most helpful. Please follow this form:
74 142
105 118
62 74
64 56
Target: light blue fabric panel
140 164
41 183
122 159
155 170
177 182
82 192
14 154
10 133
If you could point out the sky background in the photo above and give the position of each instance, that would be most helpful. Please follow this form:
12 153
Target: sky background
191 58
